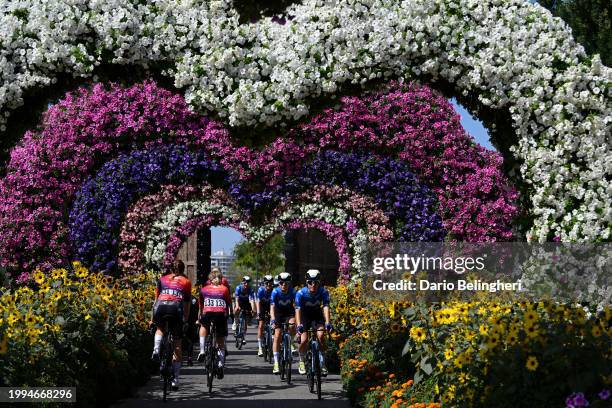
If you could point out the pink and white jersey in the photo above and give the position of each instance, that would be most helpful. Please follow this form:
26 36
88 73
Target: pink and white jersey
214 299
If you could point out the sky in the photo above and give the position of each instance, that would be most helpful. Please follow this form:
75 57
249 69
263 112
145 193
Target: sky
224 238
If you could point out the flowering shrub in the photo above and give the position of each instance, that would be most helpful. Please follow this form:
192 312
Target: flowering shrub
70 326
510 54
100 122
481 351
79 133
100 205
143 213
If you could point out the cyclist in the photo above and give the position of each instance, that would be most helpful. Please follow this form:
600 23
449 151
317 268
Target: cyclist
245 299
172 297
308 303
263 308
215 304
281 310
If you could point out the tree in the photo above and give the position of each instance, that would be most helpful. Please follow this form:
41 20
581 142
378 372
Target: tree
259 260
590 21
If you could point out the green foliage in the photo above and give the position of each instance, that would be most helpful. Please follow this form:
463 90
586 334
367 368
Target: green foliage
259 260
591 23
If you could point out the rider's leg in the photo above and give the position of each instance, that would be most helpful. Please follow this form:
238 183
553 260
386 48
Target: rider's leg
203 334
260 336
321 337
159 334
176 358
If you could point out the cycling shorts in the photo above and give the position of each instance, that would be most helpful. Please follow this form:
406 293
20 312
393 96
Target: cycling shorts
173 312
310 316
283 316
220 320
246 306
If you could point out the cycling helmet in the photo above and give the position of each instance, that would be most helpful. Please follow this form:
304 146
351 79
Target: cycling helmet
284 277
246 278
268 279
313 274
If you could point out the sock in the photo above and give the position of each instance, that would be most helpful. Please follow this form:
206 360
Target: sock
177 368
157 342
222 356
302 357
259 342
202 346
276 357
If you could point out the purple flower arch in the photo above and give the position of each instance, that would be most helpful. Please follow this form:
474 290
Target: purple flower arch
90 126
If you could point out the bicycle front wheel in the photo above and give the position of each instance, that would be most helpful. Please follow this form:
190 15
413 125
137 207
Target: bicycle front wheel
210 372
287 356
309 372
317 374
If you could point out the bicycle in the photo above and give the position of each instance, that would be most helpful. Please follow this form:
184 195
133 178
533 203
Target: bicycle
166 369
267 340
286 356
313 362
211 356
240 329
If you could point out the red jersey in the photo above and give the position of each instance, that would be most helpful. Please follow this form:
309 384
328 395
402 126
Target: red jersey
214 299
172 287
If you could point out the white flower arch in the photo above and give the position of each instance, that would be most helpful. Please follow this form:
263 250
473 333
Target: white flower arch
510 53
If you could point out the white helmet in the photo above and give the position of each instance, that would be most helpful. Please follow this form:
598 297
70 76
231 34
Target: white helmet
246 278
313 274
284 277
267 278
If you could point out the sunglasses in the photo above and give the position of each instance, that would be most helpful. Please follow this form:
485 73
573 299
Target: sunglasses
312 282
283 282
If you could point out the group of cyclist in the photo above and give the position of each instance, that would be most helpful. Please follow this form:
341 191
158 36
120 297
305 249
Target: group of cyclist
276 300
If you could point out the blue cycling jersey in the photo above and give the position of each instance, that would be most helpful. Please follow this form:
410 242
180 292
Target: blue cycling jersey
263 295
306 300
283 302
244 296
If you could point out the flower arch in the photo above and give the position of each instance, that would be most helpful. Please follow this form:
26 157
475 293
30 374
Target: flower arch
122 157
510 54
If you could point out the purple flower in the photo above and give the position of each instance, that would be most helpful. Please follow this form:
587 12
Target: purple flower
604 395
576 400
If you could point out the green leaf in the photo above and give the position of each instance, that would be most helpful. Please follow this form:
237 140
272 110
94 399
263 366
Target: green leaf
426 366
406 348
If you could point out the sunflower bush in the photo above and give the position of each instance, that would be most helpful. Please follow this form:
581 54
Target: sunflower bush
465 354
511 354
67 326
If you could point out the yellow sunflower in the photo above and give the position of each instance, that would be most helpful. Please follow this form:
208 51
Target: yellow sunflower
532 363
417 333
39 276
121 319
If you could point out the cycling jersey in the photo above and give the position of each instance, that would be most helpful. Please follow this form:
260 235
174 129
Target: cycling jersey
214 299
174 288
244 296
264 296
305 300
283 302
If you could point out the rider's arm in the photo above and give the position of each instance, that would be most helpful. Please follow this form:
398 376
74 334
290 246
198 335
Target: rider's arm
326 314
296 305
272 312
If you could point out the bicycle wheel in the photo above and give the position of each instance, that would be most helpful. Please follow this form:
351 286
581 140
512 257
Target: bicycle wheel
270 350
166 365
309 372
210 361
287 356
317 374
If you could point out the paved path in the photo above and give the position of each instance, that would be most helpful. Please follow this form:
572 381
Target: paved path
248 382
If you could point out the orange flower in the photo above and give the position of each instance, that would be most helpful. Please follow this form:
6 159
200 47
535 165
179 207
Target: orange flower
391 375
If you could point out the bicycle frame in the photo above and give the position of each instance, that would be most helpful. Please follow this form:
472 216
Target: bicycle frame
165 367
285 353
211 352
313 364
